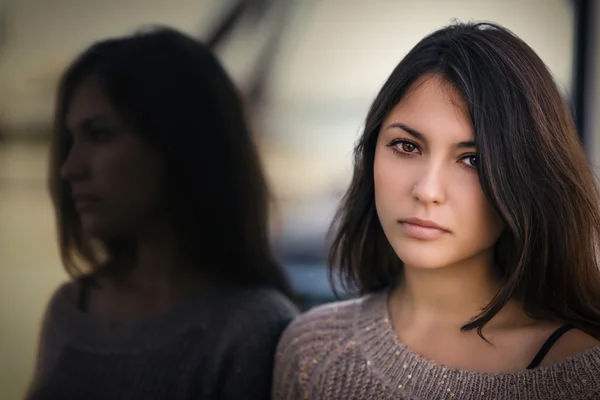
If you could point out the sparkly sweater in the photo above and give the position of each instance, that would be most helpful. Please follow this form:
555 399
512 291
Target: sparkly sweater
219 345
349 351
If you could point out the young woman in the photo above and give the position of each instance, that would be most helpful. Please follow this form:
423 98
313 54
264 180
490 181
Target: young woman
471 229
162 222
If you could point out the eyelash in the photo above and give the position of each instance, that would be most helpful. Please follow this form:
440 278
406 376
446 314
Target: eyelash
394 146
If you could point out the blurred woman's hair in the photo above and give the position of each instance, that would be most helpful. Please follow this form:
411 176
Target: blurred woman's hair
176 95
532 169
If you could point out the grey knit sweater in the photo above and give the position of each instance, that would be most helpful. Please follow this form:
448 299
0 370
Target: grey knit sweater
349 351
219 345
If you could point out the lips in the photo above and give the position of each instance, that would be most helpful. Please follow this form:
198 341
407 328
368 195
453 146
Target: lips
424 223
85 202
85 197
423 229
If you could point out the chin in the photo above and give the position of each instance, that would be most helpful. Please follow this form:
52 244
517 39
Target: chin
96 231
422 263
423 257
97 227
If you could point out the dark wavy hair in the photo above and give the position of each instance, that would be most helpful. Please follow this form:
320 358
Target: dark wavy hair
177 96
532 169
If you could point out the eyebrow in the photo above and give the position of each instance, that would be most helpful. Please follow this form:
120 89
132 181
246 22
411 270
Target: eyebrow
89 122
419 136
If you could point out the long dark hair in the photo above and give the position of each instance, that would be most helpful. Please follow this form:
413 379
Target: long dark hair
531 167
177 96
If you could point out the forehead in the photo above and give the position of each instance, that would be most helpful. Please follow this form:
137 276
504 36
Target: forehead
87 101
434 107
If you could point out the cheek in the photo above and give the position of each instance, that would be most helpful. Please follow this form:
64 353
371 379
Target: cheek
133 179
482 222
392 183
393 173
383 180
495 223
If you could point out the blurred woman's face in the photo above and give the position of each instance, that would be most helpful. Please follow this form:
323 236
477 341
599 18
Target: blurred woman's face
116 178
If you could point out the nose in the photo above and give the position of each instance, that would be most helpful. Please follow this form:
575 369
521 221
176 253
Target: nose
430 187
75 166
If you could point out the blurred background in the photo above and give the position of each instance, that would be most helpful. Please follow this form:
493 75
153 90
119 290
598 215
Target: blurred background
309 69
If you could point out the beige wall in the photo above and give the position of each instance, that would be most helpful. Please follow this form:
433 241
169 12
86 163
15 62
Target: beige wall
348 47
341 49
44 35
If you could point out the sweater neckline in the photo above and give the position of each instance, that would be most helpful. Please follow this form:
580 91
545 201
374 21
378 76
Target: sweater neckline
404 369
92 333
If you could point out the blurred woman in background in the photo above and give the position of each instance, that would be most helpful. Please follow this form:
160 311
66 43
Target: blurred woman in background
162 211
470 229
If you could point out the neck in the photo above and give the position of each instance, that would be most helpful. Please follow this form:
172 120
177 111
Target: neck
449 296
161 268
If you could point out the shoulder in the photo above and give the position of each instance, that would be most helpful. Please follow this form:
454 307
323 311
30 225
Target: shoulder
252 321
319 330
574 363
571 344
259 306
330 319
62 298
53 332
309 342
66 291
252 317
60 313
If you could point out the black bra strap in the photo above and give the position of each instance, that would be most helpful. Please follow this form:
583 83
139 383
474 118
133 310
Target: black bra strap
537 360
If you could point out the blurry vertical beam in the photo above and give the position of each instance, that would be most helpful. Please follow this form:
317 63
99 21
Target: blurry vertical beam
257 11
581 68
226 25
260 78
591 92
234 16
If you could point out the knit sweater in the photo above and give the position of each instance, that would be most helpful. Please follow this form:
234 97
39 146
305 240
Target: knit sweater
349 350
218 345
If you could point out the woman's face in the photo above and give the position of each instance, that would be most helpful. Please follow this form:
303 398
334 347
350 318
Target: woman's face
427 192
116 178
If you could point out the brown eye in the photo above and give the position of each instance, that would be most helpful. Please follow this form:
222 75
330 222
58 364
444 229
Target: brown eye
408 147
99 134
404 147
471 161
